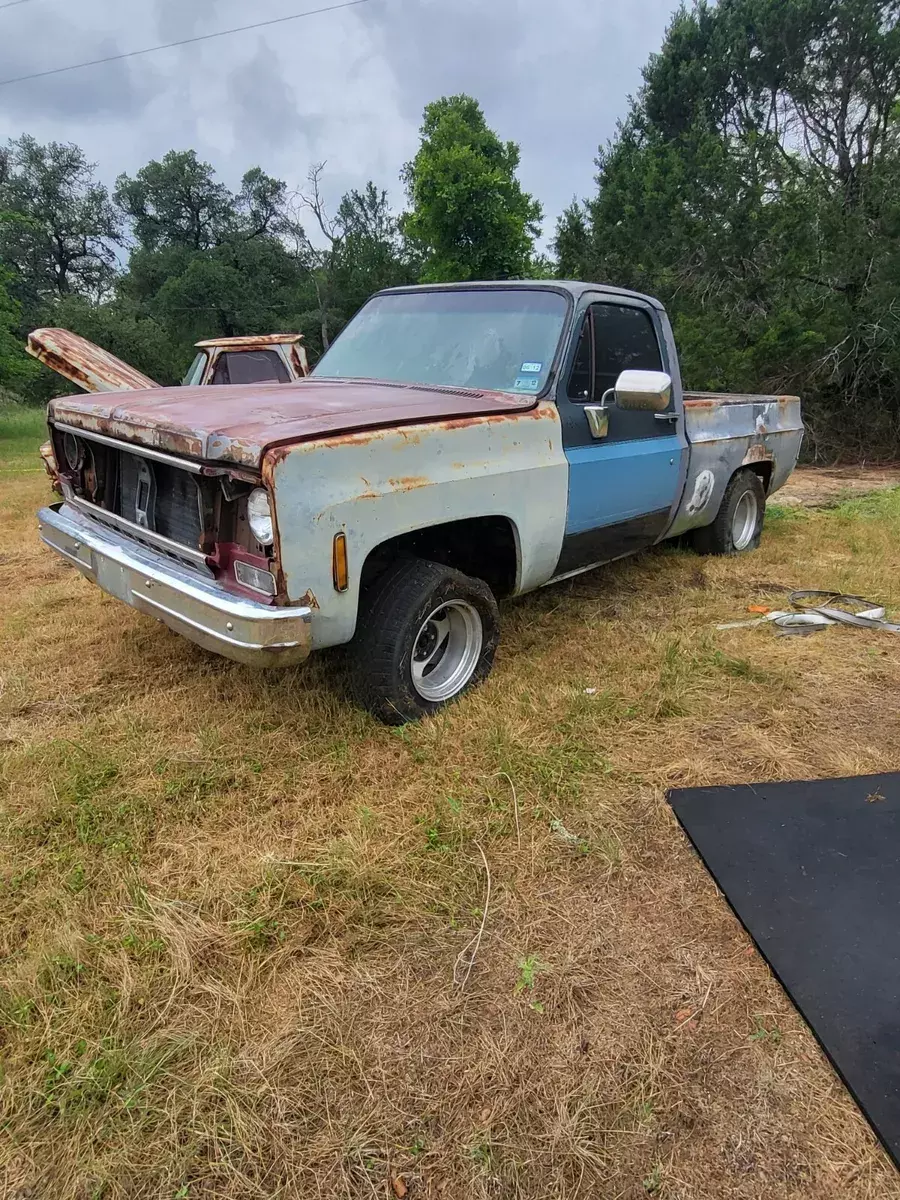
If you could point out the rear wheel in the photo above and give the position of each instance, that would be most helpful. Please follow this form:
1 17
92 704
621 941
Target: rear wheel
426 634
739 521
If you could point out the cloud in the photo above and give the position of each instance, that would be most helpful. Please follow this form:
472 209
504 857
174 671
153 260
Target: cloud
553 77
347 86
117 89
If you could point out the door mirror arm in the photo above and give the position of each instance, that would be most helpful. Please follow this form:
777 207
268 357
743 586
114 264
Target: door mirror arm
598 415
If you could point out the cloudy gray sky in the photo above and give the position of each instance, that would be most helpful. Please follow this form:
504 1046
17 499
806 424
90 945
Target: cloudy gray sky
347 86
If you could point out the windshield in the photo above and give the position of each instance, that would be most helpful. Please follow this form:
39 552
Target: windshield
501 339
195 372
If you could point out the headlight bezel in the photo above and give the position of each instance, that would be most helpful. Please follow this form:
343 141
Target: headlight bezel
260 517
73 451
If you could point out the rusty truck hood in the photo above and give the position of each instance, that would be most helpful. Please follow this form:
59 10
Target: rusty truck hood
239 423
90 366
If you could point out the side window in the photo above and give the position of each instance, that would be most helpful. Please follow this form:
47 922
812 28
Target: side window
579 388
625 340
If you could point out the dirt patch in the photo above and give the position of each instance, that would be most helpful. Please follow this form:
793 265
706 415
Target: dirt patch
821 487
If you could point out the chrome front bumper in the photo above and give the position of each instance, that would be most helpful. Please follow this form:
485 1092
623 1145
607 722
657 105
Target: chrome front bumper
198 608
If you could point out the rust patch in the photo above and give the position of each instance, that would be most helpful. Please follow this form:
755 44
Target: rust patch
275 456
538 413
299 361
251 341
269 463
68 370
172 440
90 367
718 399
309 599
369 493
360 438
408 483
239 424
244 475
757 453
267 470
68 410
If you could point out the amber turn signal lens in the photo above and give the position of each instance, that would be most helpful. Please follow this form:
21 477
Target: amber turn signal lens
339 571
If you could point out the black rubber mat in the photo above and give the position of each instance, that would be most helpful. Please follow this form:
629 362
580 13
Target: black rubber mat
812 871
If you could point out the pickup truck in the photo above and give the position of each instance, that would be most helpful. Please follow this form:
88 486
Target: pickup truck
270 357
457 444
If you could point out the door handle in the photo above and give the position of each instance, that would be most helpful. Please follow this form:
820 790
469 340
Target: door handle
672 416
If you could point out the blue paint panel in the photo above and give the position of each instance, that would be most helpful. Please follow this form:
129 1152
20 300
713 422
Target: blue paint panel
616 481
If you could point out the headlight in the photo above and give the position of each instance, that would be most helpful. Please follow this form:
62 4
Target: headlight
74 451
259 514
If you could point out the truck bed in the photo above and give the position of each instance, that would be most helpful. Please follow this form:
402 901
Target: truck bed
728 431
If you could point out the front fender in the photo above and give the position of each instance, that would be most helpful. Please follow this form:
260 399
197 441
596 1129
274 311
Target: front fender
378 484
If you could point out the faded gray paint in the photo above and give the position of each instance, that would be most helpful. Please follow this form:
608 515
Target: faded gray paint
376 485
727 433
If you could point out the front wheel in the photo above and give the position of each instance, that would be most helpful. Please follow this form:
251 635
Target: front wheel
426 634
739 521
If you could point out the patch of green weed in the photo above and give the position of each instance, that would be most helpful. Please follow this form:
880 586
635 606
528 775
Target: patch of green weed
653 1182
763 1033
529 969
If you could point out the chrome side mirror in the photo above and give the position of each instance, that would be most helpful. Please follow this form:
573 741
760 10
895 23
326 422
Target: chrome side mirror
644 391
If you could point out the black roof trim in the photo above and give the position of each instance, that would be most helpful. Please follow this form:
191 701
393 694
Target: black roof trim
574 287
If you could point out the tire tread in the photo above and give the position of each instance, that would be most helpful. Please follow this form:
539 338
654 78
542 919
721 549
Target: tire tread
383 623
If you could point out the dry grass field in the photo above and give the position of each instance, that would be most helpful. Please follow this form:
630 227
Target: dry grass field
237 916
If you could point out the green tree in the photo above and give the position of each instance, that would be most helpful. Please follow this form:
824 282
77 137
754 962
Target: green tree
17 369
373 252
177 201
360 250
753 187
572 245
58 228
207 261
469 215
124 330
239 287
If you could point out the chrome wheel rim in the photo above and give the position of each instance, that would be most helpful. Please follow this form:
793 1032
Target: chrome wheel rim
446 650
743 524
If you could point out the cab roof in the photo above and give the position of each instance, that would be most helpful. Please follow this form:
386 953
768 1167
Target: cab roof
575 288
251 342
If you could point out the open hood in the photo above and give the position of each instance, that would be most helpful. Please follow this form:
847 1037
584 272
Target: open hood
90 367
237 424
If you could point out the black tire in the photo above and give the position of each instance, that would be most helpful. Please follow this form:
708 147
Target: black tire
724 536
391 627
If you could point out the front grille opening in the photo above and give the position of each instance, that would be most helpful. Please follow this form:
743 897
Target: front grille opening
160 497
201 513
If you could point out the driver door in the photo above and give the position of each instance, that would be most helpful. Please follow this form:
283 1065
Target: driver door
624 485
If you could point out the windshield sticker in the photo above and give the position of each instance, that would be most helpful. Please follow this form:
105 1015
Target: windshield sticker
527 383
531 368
